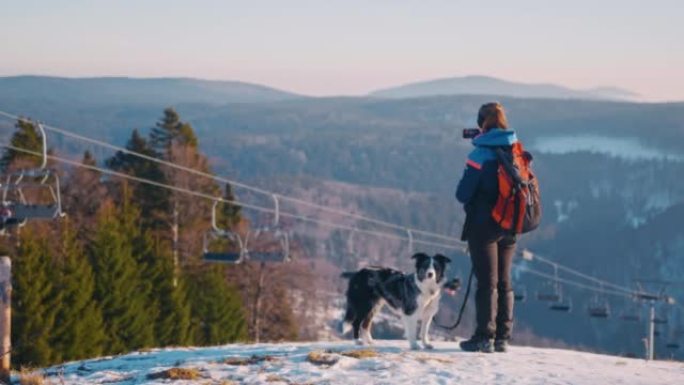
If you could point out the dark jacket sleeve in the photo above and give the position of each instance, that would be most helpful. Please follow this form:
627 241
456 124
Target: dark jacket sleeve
468 184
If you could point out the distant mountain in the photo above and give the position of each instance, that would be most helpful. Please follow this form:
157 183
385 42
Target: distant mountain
123 90
483 85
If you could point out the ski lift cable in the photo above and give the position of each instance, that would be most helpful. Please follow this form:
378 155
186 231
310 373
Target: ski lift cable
268 210
237 183
583 275
576 283
634 294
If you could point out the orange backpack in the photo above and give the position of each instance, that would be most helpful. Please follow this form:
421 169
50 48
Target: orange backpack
518 207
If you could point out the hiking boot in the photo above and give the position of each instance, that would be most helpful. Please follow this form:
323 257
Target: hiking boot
501 346
478 344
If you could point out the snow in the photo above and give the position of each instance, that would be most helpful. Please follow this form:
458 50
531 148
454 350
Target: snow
395 364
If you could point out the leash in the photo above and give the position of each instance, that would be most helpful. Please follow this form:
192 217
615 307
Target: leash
463 306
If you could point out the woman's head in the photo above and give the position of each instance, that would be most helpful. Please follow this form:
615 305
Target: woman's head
492 115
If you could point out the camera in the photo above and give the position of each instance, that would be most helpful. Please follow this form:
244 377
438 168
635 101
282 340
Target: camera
469 133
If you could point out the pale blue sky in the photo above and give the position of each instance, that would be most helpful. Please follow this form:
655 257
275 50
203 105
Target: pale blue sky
331 47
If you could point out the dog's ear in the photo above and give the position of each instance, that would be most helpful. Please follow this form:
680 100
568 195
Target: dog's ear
442 258
419 256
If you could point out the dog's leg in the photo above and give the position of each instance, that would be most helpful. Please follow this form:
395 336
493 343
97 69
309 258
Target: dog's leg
426 320
368 322
356 326
410 327
366 330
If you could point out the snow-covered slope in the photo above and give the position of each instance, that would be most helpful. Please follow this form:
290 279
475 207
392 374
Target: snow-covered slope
394 364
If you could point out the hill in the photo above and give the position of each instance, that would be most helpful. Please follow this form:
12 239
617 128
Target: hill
399 160
393 364
484 85
123 90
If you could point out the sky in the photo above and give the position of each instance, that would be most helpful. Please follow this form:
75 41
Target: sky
351 47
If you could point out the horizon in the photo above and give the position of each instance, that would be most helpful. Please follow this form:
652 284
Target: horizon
367 93
350 49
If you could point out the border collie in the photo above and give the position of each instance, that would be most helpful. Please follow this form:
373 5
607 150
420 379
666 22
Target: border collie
415 297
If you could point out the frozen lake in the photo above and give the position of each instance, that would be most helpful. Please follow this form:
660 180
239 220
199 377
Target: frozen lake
625 148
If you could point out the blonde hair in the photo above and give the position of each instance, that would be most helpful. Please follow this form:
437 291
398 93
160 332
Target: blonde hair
492 115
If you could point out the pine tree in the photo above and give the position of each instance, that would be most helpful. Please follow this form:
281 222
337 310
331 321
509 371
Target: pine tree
217 312
173 325
175 141
167 302
79 329
119 286
169 131
26 137
152 200
35 306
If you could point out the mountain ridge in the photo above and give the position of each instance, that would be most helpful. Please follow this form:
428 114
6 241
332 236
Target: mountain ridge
487 85
133 90
177 90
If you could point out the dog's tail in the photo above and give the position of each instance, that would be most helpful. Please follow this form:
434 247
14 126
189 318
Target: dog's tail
346 324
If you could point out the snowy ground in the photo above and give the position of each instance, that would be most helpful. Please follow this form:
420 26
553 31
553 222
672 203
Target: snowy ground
447 364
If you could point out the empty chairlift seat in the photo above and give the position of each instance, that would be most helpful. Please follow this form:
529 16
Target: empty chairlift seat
226 257
25 211
33 193
271 244
598 307
563 305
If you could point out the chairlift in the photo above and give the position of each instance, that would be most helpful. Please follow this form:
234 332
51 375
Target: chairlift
599 307
283 241
672 345
15 208
231 257
660 320
520 295
599 312
548 296
243 253
562 305
551 291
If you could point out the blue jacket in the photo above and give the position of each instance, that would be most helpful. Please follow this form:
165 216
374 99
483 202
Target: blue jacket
479 186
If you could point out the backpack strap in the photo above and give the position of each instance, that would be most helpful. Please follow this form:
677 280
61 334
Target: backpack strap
507 164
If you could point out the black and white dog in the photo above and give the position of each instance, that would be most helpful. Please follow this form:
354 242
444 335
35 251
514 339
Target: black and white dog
415 297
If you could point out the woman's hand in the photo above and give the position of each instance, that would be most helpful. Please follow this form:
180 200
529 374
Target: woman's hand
452 287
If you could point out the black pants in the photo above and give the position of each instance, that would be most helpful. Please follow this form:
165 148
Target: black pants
492 256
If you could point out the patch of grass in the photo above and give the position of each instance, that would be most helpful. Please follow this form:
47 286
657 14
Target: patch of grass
253 360
176 374
424 358
277 378
31 378
322 358
360 353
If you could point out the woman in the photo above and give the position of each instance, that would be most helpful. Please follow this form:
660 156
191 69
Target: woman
491 249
